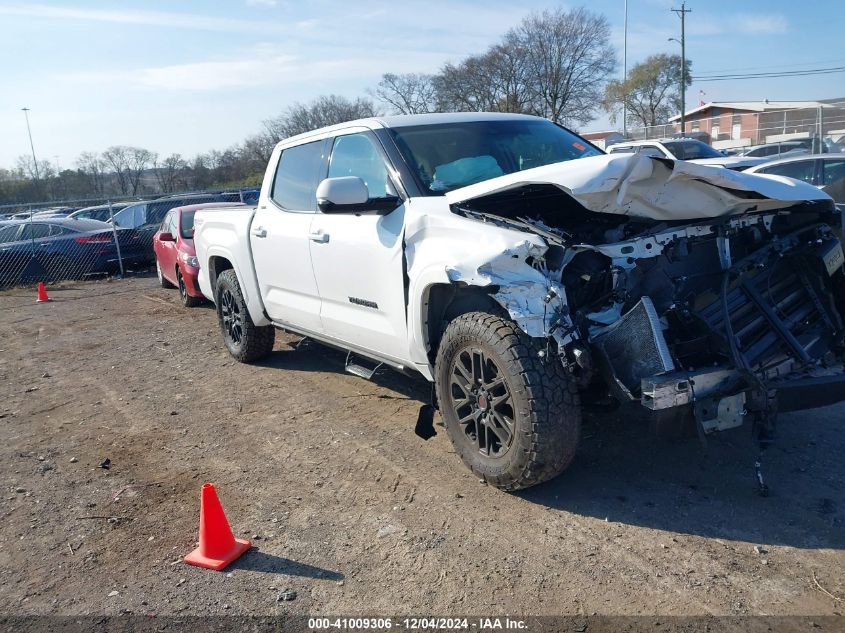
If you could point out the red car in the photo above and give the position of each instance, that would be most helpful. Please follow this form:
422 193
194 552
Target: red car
176 259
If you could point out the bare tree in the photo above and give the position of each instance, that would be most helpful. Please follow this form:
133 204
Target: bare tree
323 111
569 58
492 82
93 167
25 168
170 173
410 93
138 161
257 149
128 163
117 158
466 86
651 93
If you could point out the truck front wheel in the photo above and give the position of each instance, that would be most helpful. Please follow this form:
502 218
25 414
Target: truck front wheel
246 341
513 417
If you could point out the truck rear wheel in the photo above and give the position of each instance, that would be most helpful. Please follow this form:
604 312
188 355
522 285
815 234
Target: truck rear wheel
246 341
513 417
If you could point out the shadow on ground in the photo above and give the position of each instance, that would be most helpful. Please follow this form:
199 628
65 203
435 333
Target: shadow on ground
256 560
624 474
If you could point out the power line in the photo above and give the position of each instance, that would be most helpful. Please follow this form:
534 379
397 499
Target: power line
787 73
774 72
718 71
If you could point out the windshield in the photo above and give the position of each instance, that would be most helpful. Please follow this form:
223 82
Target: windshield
453 155
187 227
690 150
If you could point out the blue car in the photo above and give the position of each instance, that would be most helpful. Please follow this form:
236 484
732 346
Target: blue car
51 249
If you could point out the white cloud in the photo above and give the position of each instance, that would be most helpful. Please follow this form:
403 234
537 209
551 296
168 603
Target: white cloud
264 64
747 23
199 76
136 17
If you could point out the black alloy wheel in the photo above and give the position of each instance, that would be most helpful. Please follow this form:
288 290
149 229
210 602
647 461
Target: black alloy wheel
481 400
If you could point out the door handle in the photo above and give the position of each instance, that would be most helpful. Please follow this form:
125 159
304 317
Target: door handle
259 231
319 237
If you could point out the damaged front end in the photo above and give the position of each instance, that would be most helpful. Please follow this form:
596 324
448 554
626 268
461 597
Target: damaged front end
720 320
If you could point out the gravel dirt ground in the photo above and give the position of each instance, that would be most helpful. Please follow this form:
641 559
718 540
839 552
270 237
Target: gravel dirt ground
350 511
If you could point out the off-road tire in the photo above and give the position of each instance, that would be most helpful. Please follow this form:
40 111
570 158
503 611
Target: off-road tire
187 300
161 280
545 403
255 342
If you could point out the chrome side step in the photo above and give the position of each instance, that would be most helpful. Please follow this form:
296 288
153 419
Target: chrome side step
360 370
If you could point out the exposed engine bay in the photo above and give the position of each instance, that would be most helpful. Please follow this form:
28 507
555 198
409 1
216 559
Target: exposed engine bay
721 319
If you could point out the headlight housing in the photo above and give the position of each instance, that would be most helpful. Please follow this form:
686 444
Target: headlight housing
190 260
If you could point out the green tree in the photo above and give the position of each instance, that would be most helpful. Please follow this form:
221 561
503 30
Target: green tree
651 93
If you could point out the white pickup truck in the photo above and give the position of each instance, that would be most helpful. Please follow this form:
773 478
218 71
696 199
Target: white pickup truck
521 270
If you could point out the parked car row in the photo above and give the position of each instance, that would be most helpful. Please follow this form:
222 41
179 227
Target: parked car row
793 147
103 212
56 243
55 248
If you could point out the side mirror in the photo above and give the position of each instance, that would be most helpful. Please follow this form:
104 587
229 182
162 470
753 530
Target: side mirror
166 237
349 194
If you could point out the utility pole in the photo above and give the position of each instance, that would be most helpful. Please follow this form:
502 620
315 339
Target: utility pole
681 13
31 146
625 74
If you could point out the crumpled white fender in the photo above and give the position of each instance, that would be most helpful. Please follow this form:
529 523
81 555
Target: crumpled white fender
531 298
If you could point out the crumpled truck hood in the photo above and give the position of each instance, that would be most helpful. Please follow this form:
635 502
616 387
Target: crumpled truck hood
660 189
730 161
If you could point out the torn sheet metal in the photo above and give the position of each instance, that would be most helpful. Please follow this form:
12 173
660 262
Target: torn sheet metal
642 186
532 298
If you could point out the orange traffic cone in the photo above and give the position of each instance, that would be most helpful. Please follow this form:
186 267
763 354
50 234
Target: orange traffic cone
218 547
42 293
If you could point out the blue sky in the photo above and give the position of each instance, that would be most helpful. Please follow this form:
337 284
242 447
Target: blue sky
191 76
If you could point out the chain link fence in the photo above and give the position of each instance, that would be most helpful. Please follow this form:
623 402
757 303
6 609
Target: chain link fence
811 130
87 239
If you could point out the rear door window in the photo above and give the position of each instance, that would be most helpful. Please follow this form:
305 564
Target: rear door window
833 179
833 172
295 183
132 216
35 231
9 234
800 170
157 210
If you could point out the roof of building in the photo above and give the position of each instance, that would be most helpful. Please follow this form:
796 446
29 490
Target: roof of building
755 106
595 136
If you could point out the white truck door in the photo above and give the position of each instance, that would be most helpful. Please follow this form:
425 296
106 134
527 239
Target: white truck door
358 259
279 239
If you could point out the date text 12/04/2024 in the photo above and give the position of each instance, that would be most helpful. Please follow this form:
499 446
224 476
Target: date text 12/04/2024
418 623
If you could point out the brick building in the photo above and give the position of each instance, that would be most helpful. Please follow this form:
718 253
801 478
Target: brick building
742 123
